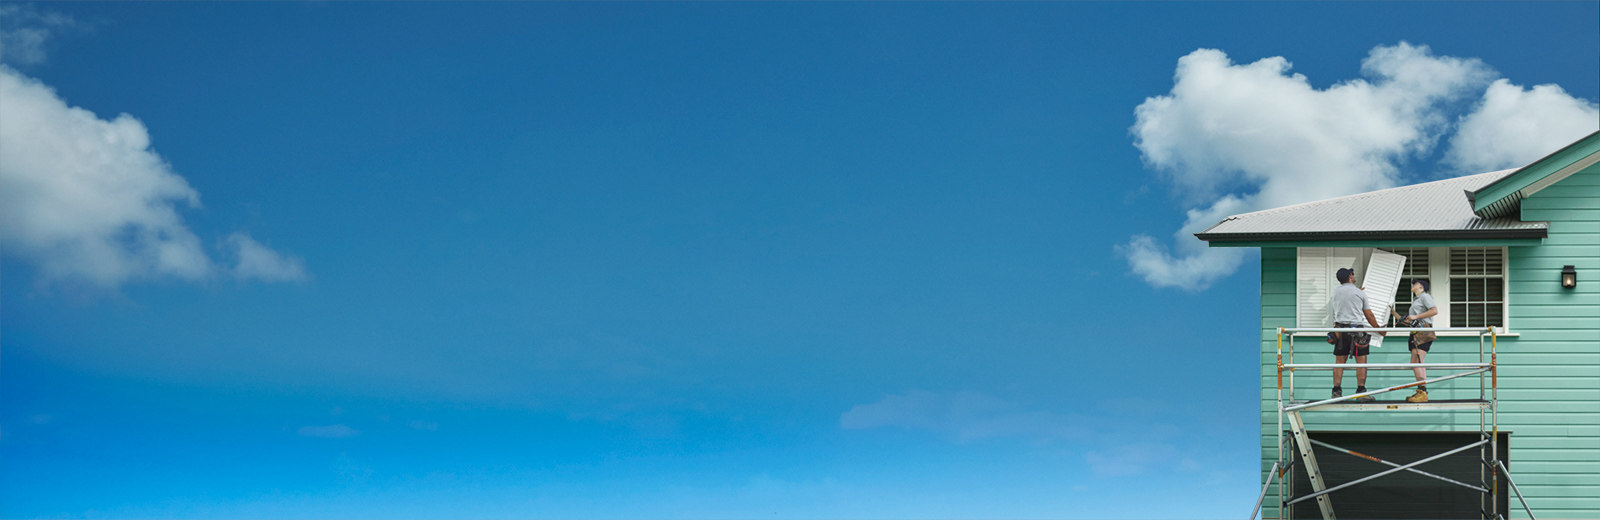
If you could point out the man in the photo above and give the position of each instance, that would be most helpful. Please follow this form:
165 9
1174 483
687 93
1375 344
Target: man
1350 310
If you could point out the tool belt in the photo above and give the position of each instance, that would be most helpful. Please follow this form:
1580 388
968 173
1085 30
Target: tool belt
1418 338
1358 339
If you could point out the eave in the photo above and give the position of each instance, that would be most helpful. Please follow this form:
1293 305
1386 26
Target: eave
1397 238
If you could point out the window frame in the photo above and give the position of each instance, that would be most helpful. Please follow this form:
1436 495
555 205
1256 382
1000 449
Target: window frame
1505 281
1405 283
1439 279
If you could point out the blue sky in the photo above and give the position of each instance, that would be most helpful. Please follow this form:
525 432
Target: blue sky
754 260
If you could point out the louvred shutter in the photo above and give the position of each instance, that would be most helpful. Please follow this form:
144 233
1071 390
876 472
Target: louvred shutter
1383 279
1311 287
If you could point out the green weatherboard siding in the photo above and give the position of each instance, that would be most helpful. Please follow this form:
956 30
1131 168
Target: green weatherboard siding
1549 372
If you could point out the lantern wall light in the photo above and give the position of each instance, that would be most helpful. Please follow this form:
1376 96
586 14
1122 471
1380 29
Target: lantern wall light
1569 277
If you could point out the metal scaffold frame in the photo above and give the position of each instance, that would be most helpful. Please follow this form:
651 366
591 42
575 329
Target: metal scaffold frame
1487 404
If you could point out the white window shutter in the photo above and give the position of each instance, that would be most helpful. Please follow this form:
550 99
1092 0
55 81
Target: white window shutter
1311 287
1383 279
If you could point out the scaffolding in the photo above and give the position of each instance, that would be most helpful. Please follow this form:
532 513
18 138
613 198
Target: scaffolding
1490 470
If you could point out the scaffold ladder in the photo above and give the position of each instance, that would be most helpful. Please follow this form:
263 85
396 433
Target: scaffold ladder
1302 442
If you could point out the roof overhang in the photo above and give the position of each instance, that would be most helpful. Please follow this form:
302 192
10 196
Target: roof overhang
1418 238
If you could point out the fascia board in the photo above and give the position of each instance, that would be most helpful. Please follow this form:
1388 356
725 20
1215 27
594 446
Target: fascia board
1563 173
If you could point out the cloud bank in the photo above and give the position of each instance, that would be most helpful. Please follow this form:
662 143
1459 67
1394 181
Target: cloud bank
1236 138
87 200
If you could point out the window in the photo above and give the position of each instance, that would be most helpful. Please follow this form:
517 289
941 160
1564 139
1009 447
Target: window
1416 269
1477 287
1315 281
1470 284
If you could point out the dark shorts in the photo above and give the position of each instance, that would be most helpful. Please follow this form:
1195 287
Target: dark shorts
1345 342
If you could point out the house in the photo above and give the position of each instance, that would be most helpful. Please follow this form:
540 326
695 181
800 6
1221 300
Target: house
1494 247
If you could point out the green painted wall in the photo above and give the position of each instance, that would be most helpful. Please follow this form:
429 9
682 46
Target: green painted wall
1549 375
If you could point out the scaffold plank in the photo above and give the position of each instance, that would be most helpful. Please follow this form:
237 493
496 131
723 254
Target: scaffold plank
1390 406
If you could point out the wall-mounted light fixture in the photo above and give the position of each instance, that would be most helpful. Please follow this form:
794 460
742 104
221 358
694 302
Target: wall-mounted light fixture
1569 277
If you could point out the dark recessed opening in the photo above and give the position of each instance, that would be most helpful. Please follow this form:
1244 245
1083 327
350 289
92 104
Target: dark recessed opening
1403 494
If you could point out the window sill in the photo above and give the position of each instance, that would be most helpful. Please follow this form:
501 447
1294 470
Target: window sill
1442 334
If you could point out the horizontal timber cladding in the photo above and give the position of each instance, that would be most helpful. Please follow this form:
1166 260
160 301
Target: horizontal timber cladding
1549 250
1277 280
1564 227
1541 310
1580 238
1534 266
1554 202
1569 215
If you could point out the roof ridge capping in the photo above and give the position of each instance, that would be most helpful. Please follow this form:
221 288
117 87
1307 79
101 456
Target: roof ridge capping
1503 197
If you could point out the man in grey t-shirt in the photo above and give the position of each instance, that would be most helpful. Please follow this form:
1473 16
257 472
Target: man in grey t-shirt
1350 310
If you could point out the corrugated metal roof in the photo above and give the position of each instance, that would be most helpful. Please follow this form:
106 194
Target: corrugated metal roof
1439 209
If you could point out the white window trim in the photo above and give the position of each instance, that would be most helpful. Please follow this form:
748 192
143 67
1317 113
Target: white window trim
1438 272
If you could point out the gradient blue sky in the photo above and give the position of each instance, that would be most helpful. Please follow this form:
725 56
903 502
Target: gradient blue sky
603 260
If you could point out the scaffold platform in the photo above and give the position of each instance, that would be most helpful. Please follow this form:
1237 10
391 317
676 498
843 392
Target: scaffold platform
1435 405
1491 469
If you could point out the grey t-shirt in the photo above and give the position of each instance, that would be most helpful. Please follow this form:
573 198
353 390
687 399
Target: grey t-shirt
1420 305
1348 301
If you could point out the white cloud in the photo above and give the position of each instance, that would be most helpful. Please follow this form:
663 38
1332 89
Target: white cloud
336 431
24 31
966 416
1236 138
259 262
1512 126
87 200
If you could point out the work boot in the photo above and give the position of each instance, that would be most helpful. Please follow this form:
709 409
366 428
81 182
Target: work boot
1337 393
1420 397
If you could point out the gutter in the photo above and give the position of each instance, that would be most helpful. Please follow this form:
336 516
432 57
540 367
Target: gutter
1438 234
